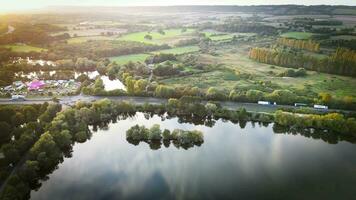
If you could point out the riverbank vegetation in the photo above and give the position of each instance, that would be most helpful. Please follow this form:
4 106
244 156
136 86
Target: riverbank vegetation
154 137
59 133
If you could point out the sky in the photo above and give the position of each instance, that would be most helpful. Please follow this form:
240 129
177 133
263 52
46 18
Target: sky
11 5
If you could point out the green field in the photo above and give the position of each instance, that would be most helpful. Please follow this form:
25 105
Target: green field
344 11
23 48
216 36
343 37
235 61
298 35
133 57
179 50
170 36
77 40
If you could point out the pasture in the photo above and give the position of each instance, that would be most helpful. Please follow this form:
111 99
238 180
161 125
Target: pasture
237 70
23 48
179 50
298 35
171 36
127 58
77 40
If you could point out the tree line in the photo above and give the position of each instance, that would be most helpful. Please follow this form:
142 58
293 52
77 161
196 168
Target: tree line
350 44
37 34
333 122
342 62
309 45
24 125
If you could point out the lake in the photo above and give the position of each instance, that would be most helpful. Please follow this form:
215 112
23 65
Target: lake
232 163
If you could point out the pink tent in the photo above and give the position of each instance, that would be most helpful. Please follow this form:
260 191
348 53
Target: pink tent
35 85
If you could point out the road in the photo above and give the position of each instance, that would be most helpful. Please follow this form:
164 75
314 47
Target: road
71 100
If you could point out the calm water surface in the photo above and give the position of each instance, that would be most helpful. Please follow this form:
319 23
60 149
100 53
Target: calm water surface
232 163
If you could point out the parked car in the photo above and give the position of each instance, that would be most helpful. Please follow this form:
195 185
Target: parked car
18 98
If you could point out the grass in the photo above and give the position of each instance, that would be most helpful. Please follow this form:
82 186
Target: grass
343 37
23 48
133 57
202 80
298 35
345 11
221 37
179 50
77 40
157 38
236 59
218 36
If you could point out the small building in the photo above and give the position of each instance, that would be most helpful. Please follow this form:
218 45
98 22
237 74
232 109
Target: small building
36 85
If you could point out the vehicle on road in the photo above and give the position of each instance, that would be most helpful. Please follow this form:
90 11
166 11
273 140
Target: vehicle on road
18 98
267 103
321 107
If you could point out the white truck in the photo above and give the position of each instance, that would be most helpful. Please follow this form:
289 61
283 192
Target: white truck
321 107
267 103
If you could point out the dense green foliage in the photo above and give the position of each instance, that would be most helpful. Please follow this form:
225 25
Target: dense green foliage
350 44
99 49
342 62
30 34
180 138
294 73
332 122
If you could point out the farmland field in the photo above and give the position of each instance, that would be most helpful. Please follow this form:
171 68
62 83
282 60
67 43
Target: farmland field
298 35
87 38
128 58
23 48
179 50
170 36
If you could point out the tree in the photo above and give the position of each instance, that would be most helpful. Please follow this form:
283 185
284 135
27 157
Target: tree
29 171
165 91
84 115
30 113
155 132
130 84
214 94
63 139
166 134
325 97
254 95
148 37
17 119
5 131
11 153
137 133
140 86
210 108
45 151
81 136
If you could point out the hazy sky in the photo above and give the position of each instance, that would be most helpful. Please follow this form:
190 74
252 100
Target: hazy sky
7 5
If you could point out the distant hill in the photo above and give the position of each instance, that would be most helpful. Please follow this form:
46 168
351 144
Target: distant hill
267 9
